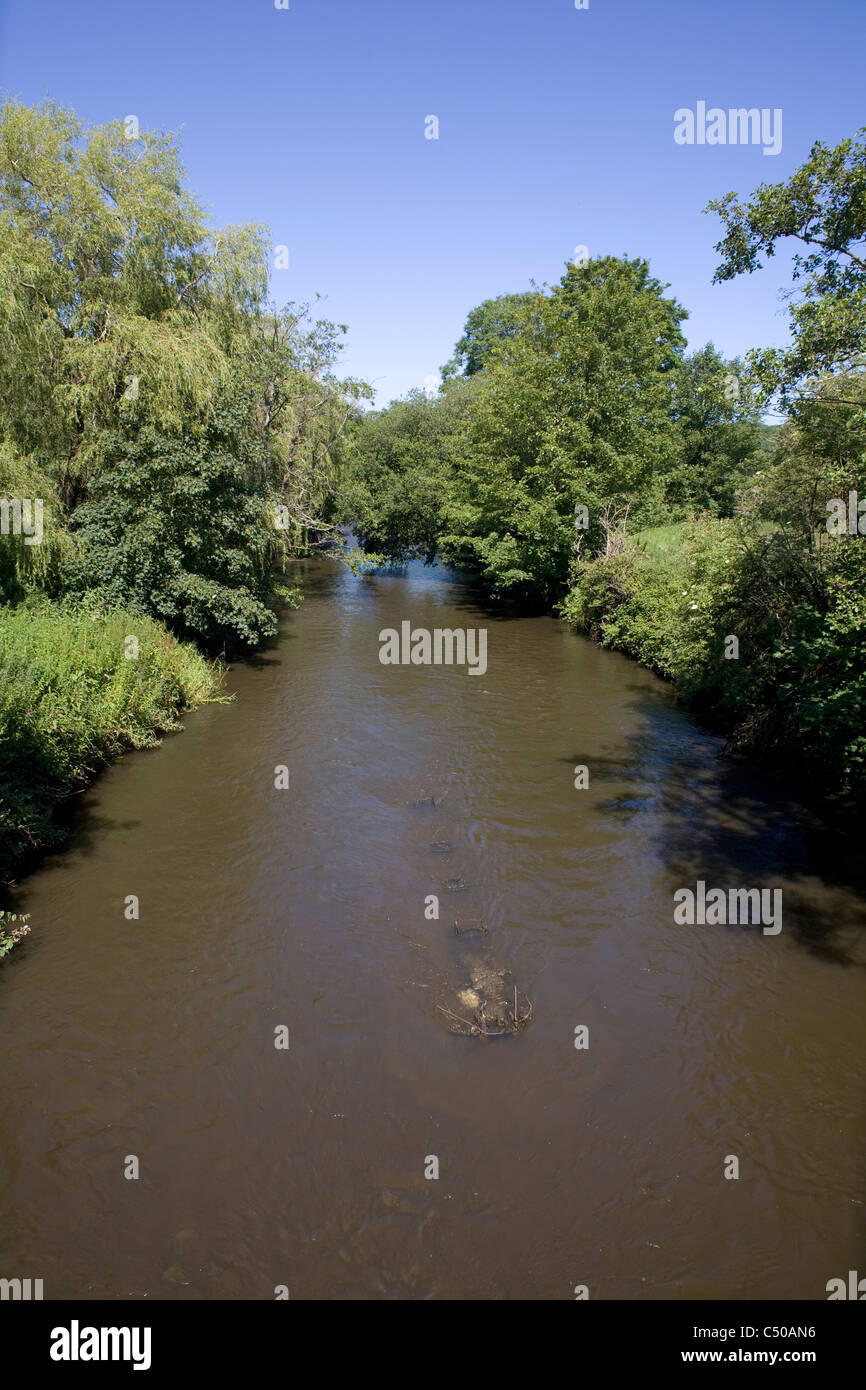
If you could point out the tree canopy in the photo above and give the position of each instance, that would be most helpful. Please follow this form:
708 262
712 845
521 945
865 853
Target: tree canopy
822 206
130 331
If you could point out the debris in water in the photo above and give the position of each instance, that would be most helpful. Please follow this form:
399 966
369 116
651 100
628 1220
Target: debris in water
477 927
498 1007
429 800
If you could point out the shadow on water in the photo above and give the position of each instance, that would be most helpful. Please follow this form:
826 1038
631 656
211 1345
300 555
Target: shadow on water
449 587
81 825
735 825
719 818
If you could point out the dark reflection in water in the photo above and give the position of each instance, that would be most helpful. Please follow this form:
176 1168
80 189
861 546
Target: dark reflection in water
306 908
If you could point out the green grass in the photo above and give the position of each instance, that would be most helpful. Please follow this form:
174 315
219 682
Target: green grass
659 543
71 700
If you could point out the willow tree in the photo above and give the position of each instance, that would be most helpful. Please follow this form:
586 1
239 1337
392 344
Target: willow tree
137 344
110 285
306 414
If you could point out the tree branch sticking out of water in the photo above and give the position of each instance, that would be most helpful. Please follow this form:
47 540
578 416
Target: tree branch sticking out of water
479 1027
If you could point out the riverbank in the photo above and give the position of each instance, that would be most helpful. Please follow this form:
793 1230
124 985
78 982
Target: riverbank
81 684
763 636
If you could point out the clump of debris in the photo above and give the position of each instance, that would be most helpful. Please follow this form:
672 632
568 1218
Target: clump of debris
493 1002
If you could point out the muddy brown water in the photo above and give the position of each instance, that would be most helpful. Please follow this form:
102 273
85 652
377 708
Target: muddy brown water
305 907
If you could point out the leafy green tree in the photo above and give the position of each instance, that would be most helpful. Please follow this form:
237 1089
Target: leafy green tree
487 330
577 414
399 473
26 568
789 590
110 287
722 442
121 310
306 415
173 528
823 207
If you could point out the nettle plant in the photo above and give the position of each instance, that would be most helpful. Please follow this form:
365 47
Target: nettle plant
13 926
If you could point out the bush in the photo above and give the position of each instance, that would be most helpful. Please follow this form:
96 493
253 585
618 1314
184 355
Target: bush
662 599
172 528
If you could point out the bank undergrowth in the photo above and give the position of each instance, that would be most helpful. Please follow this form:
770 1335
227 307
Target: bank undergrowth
764 636
74 695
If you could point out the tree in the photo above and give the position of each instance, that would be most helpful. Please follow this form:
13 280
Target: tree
399 474
577 413
305 414
822 206
173 528
487 330
720 434
122 312
110 287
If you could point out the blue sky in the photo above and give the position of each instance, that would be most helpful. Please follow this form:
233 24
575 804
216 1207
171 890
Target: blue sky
555 130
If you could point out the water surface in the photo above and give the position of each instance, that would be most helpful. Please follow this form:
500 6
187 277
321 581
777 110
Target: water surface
305 907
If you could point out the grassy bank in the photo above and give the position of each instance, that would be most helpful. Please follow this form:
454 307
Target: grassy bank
761 633
73 695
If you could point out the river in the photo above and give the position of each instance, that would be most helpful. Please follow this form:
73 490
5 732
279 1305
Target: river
559 1166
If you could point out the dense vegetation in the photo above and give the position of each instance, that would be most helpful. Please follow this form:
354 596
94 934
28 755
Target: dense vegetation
577 457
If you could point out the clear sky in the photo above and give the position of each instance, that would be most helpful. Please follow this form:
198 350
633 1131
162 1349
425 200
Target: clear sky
555 131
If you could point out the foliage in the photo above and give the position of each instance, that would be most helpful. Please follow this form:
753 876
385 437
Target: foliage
173 529
487 331
13 928
24 568
576 413
721 441
822 206
122 311
661 599
580 398
792 594
106 277
306 417
394 485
